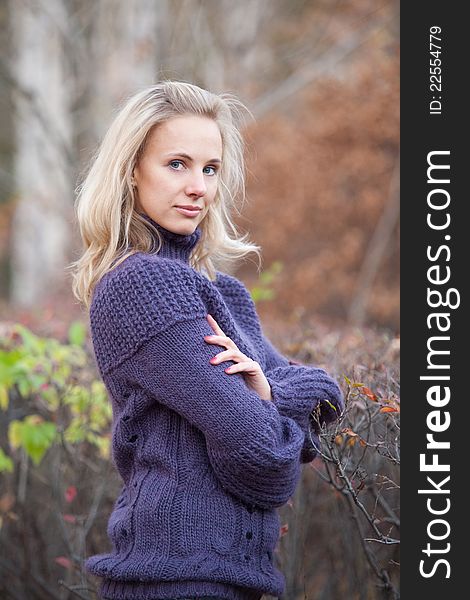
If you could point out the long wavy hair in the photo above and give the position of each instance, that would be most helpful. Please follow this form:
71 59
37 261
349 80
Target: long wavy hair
109 224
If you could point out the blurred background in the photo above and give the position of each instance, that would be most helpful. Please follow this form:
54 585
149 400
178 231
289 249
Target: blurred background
321 78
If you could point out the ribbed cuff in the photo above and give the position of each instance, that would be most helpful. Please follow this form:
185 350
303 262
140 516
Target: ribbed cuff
299 410
290 405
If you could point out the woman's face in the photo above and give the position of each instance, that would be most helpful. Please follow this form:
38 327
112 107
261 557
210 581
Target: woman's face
179 168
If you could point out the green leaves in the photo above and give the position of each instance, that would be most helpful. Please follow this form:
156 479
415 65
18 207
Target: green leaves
32 362
91 414
33 434
77 333
6 464
262 291
3 397
55 384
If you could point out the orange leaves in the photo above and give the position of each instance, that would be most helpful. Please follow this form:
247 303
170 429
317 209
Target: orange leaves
339 232
369 393
390 409
388 405
349 438
364 399
349 432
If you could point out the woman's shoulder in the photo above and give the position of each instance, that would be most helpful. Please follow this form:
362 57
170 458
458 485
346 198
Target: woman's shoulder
147 273
226 281
230 286
148 287
139 298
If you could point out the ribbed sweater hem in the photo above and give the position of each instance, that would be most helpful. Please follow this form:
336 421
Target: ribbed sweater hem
135 590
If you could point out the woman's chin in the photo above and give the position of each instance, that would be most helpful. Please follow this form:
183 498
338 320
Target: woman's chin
183 227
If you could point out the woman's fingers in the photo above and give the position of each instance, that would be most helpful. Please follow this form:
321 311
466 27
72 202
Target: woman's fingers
229 355
215 326
248 367
221 340
232 352
219 337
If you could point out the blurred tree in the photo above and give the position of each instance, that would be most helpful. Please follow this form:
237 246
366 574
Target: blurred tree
321 78
43 131
123 50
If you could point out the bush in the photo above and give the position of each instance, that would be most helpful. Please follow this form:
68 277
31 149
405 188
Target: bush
340 530
56 417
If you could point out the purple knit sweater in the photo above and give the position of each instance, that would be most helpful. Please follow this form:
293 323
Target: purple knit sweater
204 460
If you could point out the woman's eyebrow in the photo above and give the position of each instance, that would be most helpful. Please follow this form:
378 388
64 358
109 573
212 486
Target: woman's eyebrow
184 155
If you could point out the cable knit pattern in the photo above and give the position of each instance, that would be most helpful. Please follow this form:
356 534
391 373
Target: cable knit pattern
204 460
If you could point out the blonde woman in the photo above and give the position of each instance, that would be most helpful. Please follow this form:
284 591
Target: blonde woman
210 423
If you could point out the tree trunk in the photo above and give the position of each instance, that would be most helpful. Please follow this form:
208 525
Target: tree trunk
124 54
42 167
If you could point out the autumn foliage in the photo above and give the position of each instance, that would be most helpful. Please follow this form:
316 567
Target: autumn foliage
58 485
323 196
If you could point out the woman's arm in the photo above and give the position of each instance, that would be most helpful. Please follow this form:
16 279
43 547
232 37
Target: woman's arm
253 449
273 357
295 388
148 324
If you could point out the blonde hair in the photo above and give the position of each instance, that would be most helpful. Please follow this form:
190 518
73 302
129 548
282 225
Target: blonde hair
110 226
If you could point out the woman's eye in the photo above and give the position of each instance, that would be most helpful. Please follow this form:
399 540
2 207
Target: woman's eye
175 164
210 170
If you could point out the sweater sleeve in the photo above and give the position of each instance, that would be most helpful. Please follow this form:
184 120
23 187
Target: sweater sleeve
298 392
253 449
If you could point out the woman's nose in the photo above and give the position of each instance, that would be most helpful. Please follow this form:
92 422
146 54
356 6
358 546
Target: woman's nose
196 185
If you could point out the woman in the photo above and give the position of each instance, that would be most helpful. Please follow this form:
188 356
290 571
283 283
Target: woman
210 422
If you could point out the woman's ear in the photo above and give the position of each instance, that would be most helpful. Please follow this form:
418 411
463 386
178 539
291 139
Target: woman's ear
133 178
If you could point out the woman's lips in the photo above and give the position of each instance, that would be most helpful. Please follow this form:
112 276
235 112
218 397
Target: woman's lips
188 212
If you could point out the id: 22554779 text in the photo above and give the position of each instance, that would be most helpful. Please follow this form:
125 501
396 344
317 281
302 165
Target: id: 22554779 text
435 70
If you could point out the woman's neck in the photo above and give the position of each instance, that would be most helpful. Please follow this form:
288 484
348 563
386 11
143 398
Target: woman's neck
175 245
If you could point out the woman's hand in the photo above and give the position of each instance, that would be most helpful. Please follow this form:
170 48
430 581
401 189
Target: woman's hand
251 370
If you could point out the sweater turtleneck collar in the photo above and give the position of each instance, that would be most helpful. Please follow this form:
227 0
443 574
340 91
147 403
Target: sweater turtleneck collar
175 245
